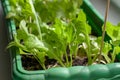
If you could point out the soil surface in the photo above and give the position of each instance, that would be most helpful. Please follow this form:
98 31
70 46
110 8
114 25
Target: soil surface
30 63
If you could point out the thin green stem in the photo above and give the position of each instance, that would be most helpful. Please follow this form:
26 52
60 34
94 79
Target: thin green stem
113 55
61 63
36 57
43 65
36 18
35 53
75 55
67 62
89 52
71 60
58 59
88 49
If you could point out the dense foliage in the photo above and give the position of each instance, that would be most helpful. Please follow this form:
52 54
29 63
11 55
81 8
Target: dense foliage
57 29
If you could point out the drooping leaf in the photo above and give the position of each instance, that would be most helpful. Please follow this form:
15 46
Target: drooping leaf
32 42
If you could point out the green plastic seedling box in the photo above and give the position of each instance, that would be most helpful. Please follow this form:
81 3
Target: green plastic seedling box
93 72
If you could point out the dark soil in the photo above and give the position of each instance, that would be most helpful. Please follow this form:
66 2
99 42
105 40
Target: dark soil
80 61
30 63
